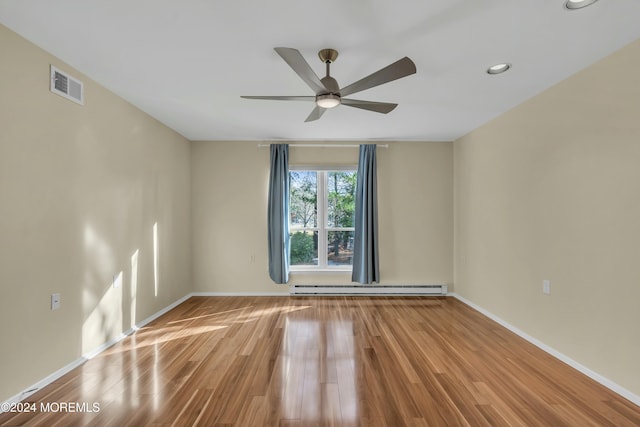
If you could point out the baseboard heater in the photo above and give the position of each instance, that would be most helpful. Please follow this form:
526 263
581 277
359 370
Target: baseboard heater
433 290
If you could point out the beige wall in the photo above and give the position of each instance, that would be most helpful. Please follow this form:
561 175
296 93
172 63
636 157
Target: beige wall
229 183
81 188
551 190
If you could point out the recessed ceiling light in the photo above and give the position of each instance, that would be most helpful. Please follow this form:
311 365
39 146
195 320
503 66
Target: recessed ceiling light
498 68
578 4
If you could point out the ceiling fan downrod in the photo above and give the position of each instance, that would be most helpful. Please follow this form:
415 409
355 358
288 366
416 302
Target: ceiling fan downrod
328 56
332 97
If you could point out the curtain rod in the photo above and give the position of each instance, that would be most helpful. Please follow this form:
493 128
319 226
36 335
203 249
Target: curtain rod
327 145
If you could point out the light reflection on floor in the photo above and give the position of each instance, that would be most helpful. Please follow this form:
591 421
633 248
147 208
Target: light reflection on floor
318 358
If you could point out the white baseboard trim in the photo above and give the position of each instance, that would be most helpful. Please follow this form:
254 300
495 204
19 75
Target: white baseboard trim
42 383
616 388
96 351
88 355
161 312
240 294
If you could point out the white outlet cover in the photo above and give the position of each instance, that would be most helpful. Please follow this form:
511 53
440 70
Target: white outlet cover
546 287
56 300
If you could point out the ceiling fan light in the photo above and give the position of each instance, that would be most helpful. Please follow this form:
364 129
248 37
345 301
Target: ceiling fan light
577 4
328 100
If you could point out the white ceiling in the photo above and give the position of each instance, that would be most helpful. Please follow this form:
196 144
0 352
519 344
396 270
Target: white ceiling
186 62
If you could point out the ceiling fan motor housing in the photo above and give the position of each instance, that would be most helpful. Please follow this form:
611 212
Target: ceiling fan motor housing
331 84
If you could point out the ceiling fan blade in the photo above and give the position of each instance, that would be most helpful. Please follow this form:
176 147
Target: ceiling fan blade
296 61
397 70
378 107
315 114
282 98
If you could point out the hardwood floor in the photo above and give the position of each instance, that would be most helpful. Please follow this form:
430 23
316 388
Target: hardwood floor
316 361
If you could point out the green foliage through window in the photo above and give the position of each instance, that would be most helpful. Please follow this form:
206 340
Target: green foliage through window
322 217
302 248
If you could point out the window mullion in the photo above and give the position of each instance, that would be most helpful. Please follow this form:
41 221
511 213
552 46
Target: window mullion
322 221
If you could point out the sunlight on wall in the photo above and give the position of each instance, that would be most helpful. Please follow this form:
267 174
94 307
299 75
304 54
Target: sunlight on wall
105 320
102 292
134 287
99 257
117 280
155 259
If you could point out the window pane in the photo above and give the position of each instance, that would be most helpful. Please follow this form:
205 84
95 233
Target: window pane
341 190
304 248
340 247
303 199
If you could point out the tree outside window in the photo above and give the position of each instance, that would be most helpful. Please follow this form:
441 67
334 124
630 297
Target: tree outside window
322 208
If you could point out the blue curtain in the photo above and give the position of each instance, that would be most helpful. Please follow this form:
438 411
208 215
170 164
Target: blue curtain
278 213
365 250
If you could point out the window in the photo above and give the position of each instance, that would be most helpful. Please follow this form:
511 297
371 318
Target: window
322 207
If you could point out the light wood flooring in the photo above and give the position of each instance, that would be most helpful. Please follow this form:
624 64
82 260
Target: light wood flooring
326 361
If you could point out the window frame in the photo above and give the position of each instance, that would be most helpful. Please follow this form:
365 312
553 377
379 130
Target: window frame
323 218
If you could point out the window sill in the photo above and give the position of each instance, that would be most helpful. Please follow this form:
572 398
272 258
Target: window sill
321 271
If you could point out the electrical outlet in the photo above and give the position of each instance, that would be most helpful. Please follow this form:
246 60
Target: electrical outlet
56 300
546 287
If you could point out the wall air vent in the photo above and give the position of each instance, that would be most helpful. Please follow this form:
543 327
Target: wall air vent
65 85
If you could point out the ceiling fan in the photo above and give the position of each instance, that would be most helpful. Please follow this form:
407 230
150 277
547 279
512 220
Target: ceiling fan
328 93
